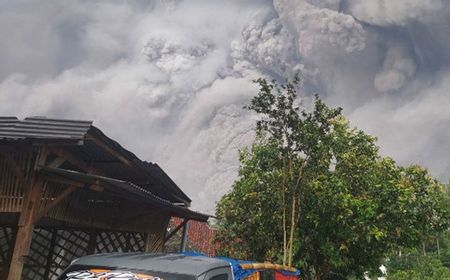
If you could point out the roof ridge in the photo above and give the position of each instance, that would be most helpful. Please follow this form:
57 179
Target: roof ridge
44 118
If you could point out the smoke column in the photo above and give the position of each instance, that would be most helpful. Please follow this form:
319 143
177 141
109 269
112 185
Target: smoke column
169 79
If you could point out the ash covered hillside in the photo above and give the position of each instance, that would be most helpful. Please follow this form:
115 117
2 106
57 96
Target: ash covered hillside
169 78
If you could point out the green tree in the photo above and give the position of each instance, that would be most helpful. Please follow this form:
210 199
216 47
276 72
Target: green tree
430 260
414 265
315 193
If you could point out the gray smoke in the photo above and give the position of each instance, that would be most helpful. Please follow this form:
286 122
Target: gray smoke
168 79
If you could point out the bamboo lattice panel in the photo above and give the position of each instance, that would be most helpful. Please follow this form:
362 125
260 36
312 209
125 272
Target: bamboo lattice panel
68 246
52 250
35 265
108 242
6 245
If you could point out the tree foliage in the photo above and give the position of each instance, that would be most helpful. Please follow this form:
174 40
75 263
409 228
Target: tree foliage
315 193
414 265
431 260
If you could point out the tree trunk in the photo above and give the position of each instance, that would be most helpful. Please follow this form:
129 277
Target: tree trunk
291 234
283 205
438 247
284 236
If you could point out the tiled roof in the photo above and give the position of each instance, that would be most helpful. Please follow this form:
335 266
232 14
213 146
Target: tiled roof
200 236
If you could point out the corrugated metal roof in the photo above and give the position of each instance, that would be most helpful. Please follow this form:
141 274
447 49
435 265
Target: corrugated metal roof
42 128
128 188
151 168
49 129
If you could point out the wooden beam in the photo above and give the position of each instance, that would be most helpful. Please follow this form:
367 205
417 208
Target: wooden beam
41 157
109 150
57 162
70 158
64 181
173 232
97 188
54 203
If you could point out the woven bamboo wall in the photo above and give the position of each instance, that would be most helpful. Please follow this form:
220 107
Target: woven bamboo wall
16 169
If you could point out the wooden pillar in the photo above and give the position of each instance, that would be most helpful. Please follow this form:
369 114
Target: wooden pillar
92 242
30 208
184 236
51 250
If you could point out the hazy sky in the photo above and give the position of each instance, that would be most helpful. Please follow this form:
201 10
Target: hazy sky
168 79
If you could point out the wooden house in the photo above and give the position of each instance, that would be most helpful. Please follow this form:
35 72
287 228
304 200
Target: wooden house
68 190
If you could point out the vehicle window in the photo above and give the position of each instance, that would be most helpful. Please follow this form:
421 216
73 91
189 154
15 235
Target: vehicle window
97 273
219 277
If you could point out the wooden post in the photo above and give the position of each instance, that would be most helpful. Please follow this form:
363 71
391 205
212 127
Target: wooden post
175 230
31 203
51 250
92 242
184 236
32 195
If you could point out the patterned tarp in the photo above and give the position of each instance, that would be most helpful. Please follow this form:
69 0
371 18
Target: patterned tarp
240 273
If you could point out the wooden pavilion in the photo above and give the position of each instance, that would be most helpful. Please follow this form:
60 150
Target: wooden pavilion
67 190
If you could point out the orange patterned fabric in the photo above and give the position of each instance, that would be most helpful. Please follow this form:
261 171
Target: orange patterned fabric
254 276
